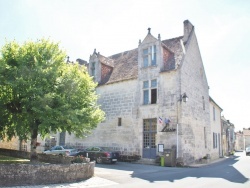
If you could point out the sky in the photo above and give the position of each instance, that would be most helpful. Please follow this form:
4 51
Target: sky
222 28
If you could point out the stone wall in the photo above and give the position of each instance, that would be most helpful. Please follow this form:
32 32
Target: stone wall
28 174
12 144
118 101
60 171
194 115
15 153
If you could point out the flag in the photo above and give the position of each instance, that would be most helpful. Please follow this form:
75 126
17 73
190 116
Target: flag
167 120
160 120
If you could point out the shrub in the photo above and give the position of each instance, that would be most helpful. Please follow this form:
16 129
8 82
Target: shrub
80 159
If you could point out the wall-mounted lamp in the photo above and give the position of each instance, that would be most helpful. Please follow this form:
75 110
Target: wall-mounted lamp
184 97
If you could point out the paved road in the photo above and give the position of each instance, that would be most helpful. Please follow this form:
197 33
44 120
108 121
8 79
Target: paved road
233 172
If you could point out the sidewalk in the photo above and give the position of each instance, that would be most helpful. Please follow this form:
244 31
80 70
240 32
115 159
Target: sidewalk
91 182
196 165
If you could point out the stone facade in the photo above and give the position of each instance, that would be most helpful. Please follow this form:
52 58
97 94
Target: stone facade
142 91
246 134
228 136
137 88
14 143
239 141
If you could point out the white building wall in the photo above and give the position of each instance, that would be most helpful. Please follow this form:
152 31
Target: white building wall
215 120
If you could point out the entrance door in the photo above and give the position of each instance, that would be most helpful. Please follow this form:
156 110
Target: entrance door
149 137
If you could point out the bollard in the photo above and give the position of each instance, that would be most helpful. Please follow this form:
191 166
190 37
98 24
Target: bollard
162 161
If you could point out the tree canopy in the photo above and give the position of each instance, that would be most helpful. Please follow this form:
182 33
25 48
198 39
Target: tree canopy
40 93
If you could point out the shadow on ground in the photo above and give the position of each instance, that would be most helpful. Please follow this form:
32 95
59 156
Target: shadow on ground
224 169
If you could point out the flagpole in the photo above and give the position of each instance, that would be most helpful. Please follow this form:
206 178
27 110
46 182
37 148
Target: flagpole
177 140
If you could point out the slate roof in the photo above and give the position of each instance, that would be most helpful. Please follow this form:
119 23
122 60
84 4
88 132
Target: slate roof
125 64
174 45
106 60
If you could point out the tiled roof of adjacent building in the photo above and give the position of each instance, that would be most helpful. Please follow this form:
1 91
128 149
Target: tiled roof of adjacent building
246 132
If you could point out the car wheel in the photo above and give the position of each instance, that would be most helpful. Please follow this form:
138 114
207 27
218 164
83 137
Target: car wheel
113 162
98 160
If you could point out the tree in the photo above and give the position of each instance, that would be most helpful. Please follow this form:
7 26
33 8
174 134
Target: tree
40 93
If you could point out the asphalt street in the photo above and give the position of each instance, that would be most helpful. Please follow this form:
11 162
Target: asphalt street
231 172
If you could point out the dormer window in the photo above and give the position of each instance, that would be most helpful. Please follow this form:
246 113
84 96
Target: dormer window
93 69
149 56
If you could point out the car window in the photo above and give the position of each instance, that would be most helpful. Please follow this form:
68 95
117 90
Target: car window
88 149
68 147
53 148
58 148
96 149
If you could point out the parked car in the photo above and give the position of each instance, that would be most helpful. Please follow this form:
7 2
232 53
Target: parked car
248 151
100 154
62 150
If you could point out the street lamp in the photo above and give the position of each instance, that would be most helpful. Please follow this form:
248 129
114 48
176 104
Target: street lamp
183 98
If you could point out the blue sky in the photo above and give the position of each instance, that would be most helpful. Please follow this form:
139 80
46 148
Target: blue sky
112 26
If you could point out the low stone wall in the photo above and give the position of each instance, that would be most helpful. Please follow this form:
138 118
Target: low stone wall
28 174
60 170
42 157
15 153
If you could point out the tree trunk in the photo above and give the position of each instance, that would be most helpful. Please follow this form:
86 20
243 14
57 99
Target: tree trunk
33 154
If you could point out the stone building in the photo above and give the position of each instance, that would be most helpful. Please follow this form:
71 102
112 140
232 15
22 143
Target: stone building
215 120
144 90
246 134
239 141
155 97
228 136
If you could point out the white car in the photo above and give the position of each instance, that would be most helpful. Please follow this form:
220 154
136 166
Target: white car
62 150
248 151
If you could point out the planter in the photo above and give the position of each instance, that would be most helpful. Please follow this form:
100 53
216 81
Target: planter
205 161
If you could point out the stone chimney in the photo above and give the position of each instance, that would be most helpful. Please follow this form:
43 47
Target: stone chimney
188 27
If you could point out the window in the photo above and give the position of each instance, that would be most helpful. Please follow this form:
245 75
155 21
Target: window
149 56
93 69
205 137
119 121
214 113
145 57
215 140
203 102
150 93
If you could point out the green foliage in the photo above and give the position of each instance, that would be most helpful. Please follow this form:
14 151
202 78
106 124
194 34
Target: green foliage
40 93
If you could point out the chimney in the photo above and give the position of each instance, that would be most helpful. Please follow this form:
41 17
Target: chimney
188 27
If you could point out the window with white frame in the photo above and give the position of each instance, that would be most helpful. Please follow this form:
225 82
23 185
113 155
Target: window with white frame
214 140
150 92
93 69
149 56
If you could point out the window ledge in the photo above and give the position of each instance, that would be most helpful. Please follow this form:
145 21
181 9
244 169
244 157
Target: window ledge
151 66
